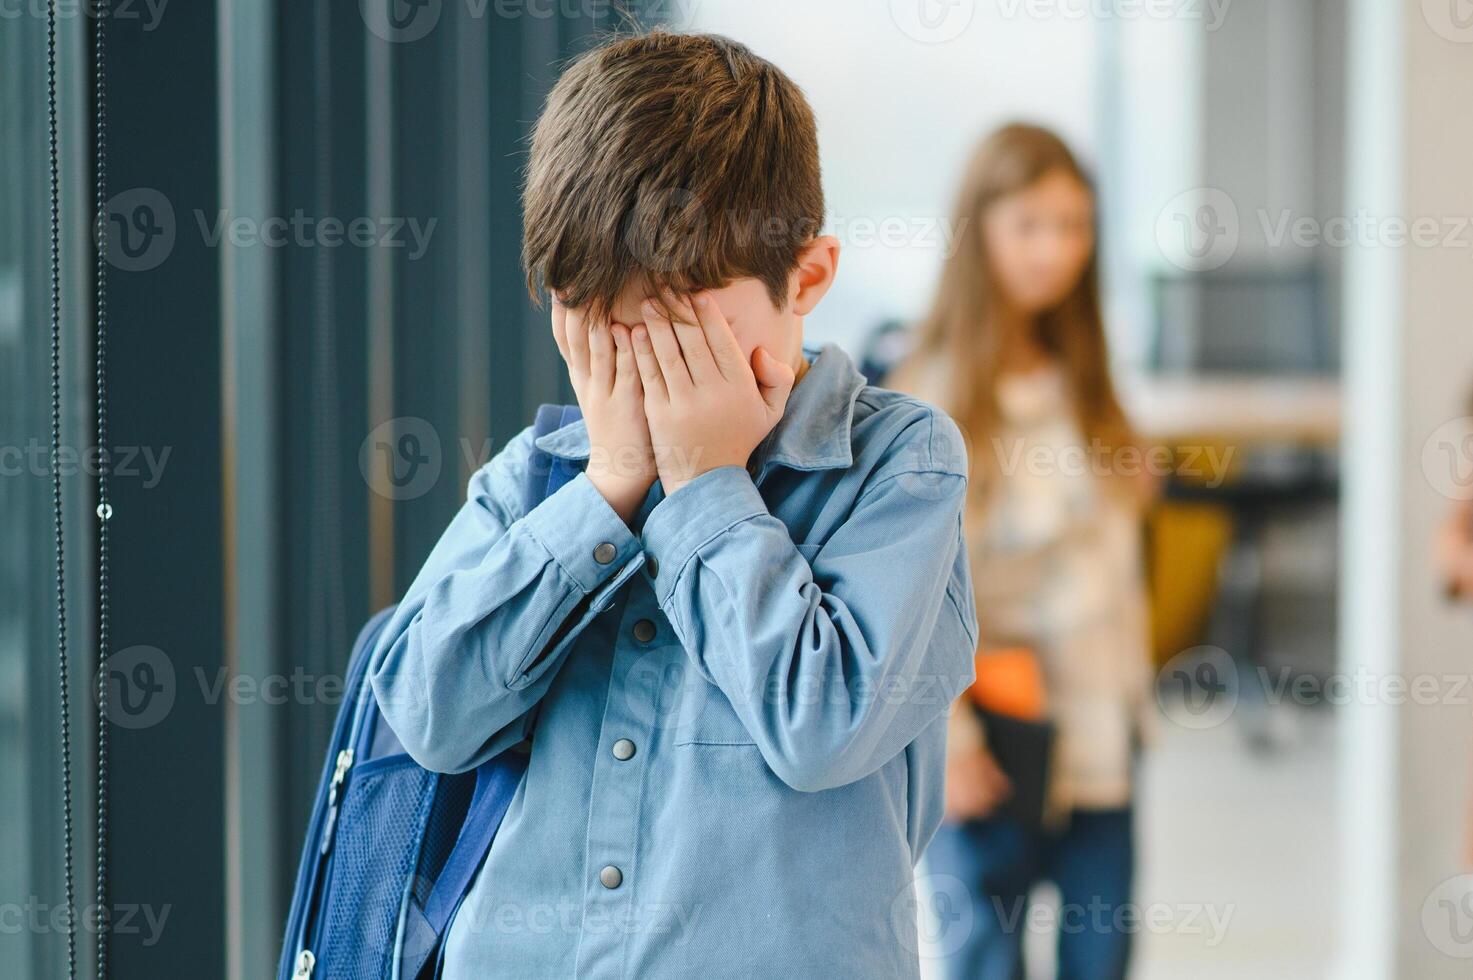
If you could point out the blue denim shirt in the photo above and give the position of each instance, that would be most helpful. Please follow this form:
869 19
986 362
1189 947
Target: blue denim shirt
737 707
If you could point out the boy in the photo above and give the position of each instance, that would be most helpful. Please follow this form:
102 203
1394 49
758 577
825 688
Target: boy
733 638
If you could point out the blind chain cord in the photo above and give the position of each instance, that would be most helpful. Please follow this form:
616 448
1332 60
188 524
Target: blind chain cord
104 505
63 673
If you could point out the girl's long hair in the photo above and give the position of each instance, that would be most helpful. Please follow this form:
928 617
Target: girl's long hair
961 342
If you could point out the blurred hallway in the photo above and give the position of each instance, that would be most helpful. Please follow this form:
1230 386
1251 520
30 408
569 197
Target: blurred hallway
1265 864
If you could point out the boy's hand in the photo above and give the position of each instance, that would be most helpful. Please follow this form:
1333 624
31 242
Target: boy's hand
706 406
606 381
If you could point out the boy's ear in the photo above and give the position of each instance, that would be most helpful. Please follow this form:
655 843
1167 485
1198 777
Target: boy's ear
818 263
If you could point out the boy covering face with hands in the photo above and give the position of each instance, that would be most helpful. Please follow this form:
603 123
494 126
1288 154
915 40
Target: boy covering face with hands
678 380
732 640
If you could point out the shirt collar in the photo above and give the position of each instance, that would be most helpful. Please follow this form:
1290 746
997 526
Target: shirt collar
813 434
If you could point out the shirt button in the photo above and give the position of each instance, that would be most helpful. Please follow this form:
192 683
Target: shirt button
604 553
644 631
653 564
623 750
611 877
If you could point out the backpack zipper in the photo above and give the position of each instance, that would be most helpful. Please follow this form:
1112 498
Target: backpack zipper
305 962
339 776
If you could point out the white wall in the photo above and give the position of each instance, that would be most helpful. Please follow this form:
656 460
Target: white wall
1436 373
1409 360
899 109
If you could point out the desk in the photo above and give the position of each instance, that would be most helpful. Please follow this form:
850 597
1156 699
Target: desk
1245 413
1239 410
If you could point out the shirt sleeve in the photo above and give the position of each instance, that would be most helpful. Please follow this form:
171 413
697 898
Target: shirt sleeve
837 659
480 633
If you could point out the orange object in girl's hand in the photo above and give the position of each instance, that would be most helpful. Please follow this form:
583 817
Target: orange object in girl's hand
1010 682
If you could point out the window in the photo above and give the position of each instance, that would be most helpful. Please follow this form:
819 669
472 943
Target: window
31 892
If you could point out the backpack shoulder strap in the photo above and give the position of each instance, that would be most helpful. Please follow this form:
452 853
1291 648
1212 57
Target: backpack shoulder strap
496 784
497 778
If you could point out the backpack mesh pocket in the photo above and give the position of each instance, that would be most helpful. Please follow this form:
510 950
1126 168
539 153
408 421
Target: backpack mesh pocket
378 845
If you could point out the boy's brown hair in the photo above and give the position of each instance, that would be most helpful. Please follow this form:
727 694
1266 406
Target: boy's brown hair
681 161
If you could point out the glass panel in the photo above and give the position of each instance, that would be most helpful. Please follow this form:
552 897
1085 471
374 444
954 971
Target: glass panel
32 916
26 645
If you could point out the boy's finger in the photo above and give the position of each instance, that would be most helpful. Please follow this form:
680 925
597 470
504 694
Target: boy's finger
576 331
725 350
774 380
690 337
601 356
679 307
560 327
649 365
626 369
667 351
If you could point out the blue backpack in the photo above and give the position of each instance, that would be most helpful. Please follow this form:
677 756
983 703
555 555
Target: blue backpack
392 848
